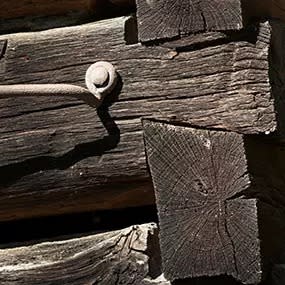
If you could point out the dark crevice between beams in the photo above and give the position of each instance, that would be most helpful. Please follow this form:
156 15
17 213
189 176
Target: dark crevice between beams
176 121
3 48
103 10
22 232
214 280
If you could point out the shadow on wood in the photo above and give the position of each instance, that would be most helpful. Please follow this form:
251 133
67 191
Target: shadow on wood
12 172
215 80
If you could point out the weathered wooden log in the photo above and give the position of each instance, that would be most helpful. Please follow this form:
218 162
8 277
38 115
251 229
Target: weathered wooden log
58 155
220 201
166 19
128 256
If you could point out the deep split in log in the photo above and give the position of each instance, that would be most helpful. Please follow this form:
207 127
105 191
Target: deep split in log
220 201
128 256
58 155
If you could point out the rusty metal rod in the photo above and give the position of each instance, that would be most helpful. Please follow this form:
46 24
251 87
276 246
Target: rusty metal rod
100 80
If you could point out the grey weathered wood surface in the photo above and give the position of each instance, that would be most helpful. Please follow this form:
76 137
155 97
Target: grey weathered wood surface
166 19
127 256
60 152
195 174
162 19
220 201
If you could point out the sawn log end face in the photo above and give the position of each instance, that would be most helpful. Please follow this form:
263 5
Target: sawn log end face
211 220
162 19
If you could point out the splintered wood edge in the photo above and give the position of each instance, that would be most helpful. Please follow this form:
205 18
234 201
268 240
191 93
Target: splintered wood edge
103 258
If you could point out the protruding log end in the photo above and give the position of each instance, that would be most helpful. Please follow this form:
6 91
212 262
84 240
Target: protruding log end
207 193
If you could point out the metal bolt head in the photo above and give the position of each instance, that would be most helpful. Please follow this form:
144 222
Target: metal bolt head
100 76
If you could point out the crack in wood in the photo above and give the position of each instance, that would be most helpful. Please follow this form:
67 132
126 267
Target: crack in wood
3 48
12 172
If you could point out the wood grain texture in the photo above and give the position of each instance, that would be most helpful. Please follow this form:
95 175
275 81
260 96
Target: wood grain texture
166 19
118 257
203 230
160 19
59 147
220 201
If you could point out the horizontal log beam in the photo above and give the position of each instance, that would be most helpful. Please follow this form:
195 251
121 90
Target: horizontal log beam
128 256
60 147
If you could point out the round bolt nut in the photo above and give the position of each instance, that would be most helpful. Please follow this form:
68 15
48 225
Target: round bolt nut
100 76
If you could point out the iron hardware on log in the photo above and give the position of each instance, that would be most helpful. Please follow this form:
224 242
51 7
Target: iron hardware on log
100 79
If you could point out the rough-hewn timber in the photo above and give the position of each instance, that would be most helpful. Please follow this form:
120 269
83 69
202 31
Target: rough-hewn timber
128 256
220 201
56 150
